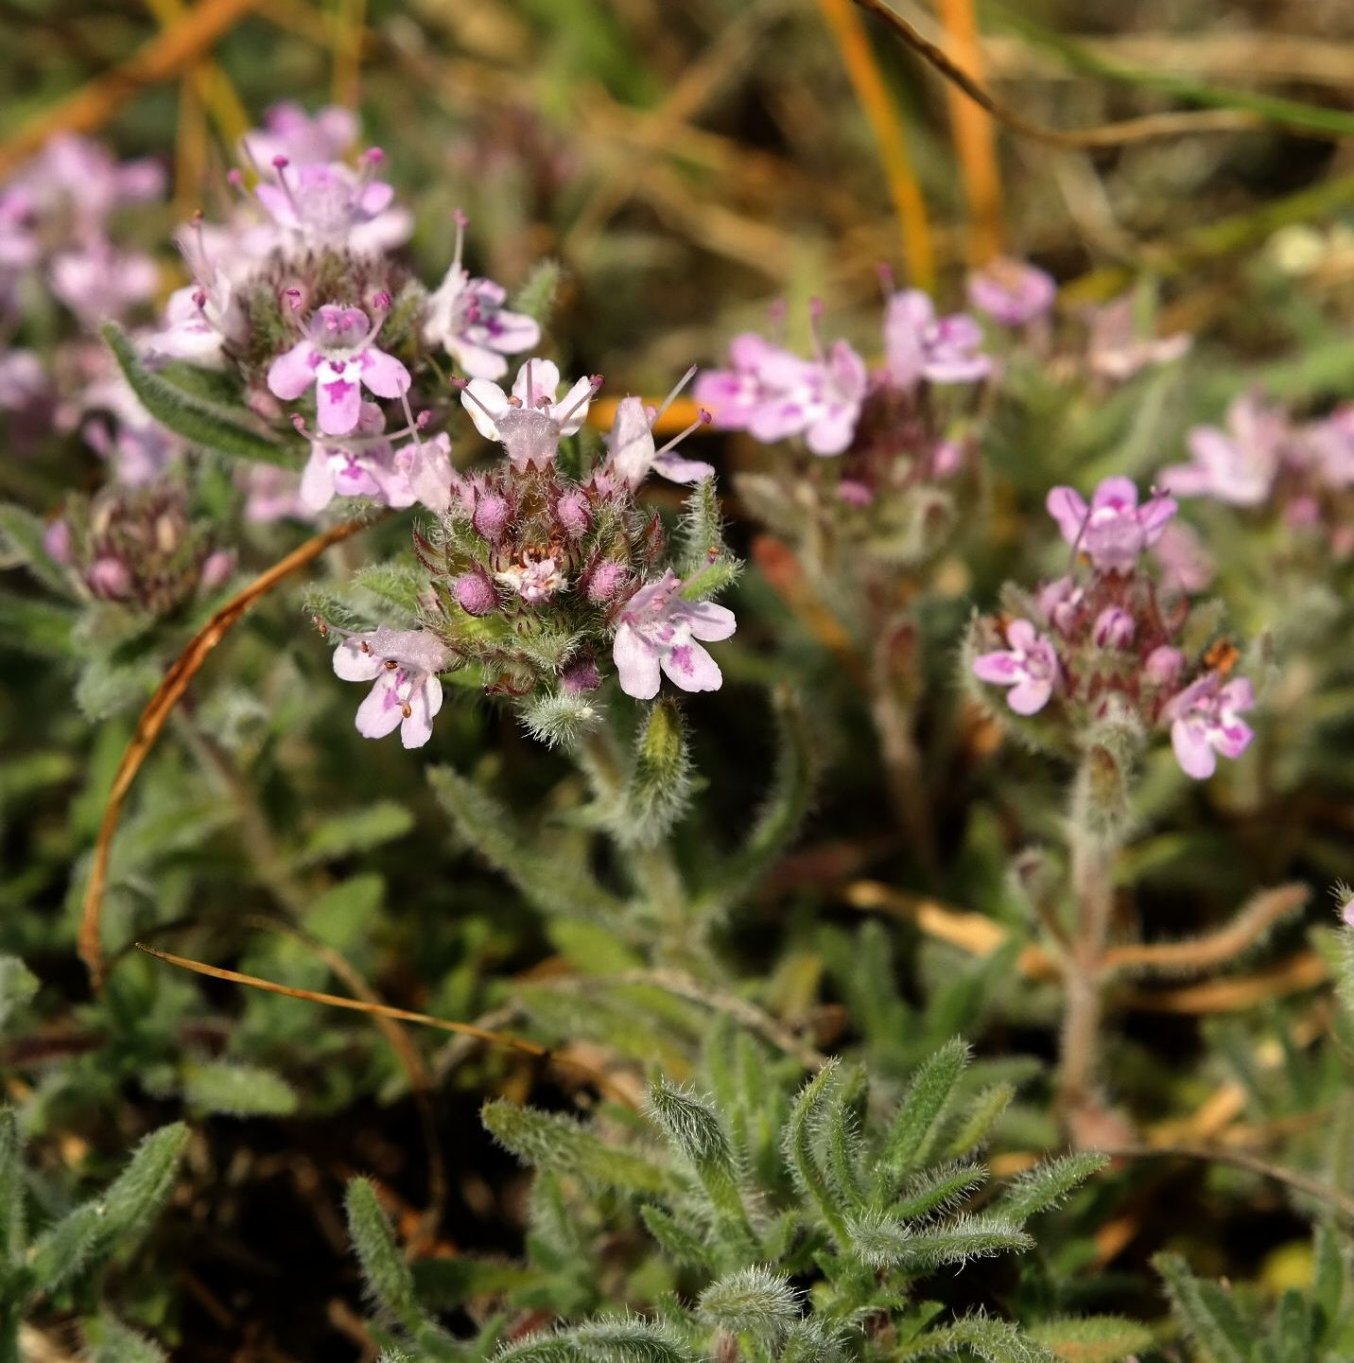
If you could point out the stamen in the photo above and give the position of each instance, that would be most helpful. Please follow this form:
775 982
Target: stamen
672 396
704 419
464 386
594 387
462 222
280 164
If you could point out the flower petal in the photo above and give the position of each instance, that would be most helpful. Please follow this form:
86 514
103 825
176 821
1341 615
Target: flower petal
293 372
636 664
383 374
692 668
381 713
1189 738
352 662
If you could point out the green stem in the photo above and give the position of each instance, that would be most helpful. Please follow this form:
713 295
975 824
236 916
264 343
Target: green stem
1093 858
652 869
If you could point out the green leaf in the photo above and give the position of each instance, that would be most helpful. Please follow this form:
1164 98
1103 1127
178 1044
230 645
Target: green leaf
43 629
1047 1184
12 1234
798 1144
703 560
388 1276
678 1244
750 1300
691 1125
600 1341
355 831
781 815
883 1242
536 297
21 535
107 687
18 985
992 1341
916 1123
659 788
1207 1312
115 1221
1092 1339
549 1141
237 1090
551 886
196 419
112 1342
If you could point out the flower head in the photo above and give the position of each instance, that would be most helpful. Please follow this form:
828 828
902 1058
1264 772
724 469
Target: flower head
1204 723
367 464
1012 292
407 694
531 420
919 345
1113 530
1029 667
467 318
338 358
332 205
291 133
658 631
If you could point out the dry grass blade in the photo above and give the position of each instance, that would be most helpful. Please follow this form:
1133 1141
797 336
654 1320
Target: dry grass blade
1144 129
1304 971
908 203
157 712
165 57
386 1010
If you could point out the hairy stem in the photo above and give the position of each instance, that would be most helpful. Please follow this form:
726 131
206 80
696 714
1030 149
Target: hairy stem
1093 857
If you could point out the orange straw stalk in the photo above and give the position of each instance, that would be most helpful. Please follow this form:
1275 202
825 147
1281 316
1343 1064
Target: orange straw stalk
974 135
850 36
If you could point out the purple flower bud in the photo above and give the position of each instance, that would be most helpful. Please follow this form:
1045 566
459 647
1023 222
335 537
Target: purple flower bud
109 579
855 493
1060 600
490 516
56 540
606 581
571 511
216 569
1163 666
1114 628
580 677
475 594
947 458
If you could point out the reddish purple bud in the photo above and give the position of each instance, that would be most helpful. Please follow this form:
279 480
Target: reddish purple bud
571 511
475 594
1114 628
109 579
490 516
1163 666
855 493
216 569
607 581
56 540
580 677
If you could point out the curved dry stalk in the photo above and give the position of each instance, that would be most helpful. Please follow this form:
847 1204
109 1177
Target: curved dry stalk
1239 1159
519 1044
1191 955
1147 128
1305 970
156 714
178 47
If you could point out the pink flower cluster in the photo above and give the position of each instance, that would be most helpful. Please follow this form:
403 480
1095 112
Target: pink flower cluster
1108 643
1263 460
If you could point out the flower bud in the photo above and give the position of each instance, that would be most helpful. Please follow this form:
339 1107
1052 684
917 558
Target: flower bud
216 569
571 511
490 517
1163 666
56 540
855 493
109 579
1114 628
580 677
475 594
606 581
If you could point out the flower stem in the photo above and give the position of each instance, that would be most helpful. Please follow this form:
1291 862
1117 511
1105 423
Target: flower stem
1093 857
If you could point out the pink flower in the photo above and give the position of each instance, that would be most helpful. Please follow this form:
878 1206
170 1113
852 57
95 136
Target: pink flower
658 631
1012 292
1029 667
288 131
97 282
332 205
919 345
368 465
338 358
271 494
75 178
1237 466
632 452
1116 352
407 695
1330 444
773 394
1185 563
531 420
467 318
1114 530
1204 723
